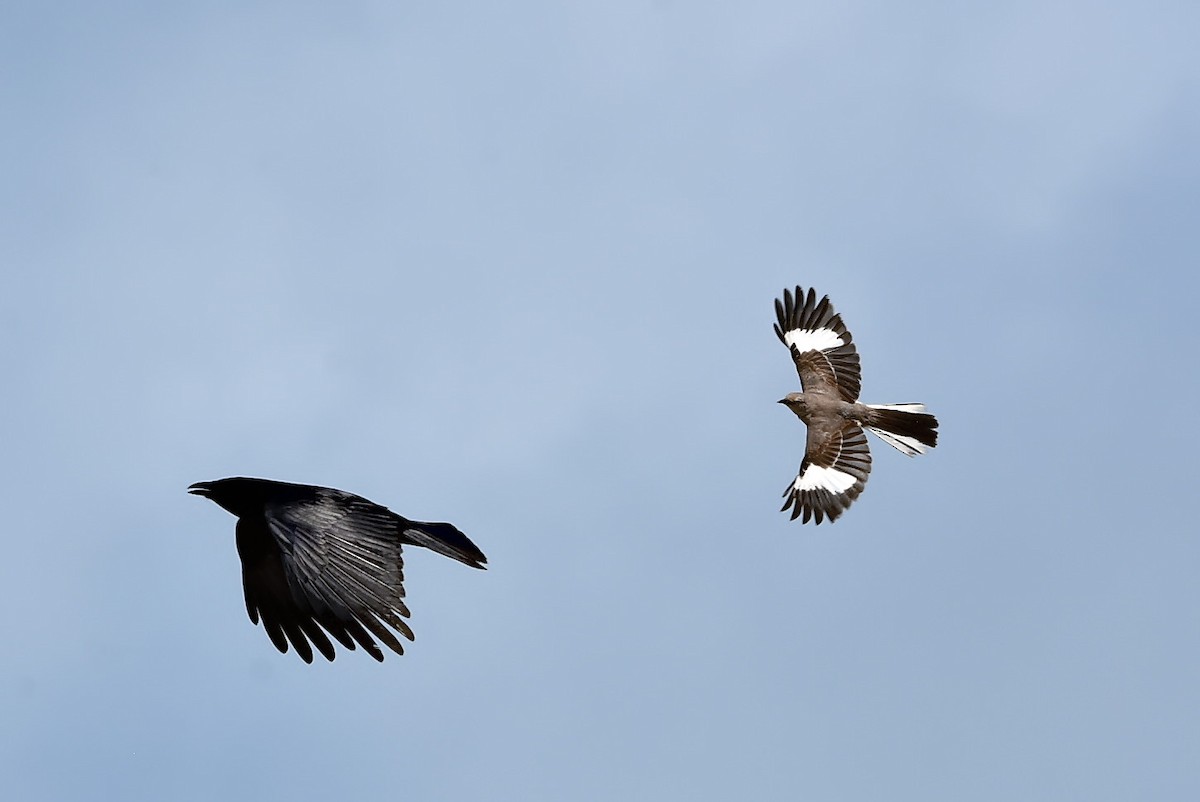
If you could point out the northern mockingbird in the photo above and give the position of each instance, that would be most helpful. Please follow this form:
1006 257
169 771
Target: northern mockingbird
836 457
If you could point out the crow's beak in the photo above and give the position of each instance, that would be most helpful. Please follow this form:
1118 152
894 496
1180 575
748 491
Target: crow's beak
200 488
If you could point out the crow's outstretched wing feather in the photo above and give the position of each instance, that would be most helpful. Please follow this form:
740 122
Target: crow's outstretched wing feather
341 561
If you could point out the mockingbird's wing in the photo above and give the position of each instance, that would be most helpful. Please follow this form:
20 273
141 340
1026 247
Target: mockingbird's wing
821 347
833 473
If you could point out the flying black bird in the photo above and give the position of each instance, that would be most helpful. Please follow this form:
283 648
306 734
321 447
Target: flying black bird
836 459
317 560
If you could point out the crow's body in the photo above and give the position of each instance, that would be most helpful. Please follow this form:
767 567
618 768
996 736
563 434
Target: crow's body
837 460
320 562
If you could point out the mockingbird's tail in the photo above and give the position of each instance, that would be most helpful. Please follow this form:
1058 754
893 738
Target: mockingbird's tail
446 540
908 428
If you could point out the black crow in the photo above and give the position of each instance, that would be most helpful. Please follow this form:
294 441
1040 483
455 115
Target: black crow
317 560
836 460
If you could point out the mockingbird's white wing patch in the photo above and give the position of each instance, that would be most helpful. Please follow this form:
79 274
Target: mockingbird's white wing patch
812 339
815 477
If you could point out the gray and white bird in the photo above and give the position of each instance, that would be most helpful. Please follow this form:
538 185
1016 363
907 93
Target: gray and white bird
318 562
836 458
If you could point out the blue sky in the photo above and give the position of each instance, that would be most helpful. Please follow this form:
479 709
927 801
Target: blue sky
514 268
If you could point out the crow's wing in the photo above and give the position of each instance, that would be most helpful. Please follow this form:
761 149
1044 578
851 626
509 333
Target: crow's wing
820 344
334 560
833 473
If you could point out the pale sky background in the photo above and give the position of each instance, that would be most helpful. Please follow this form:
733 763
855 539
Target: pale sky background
512 266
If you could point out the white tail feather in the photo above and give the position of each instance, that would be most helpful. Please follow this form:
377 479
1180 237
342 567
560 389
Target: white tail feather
905 445
899 407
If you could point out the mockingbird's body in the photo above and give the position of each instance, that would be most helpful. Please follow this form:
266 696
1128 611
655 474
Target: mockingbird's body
837 460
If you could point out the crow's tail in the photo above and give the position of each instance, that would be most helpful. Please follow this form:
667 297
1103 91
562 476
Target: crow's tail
906 427
445 539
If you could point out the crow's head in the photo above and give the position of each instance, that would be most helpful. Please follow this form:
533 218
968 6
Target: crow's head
240 495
